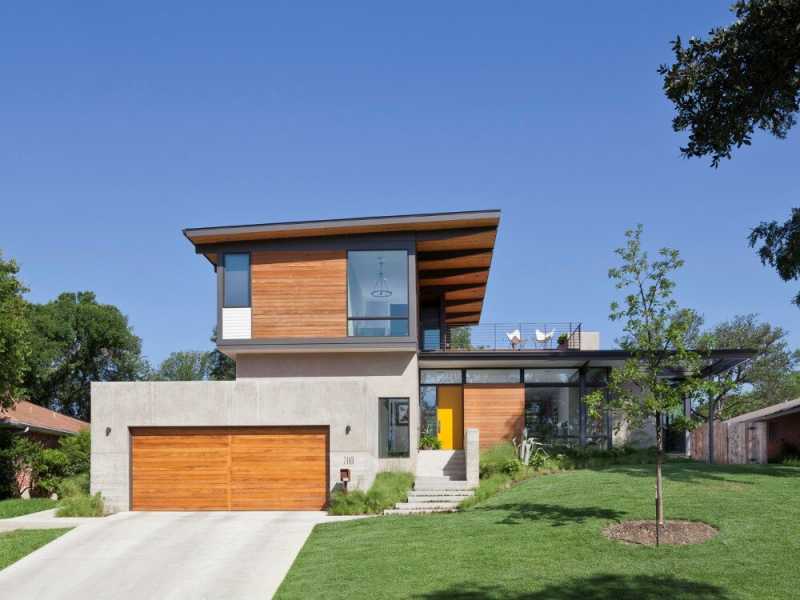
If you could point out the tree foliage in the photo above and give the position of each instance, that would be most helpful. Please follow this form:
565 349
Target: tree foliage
780 246
185 365
768 378
76 341
745 75
15 347
660 371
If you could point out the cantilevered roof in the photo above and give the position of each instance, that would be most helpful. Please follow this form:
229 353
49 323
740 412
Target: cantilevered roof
454 250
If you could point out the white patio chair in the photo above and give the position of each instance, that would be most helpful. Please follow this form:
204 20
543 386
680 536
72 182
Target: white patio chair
543 337
515 338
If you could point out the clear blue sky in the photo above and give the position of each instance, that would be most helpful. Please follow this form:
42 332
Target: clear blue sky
120 125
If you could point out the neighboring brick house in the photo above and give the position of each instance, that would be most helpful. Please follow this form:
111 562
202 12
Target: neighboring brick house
40 424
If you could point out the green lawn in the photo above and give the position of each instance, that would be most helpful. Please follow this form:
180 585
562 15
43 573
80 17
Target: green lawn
542 541
16 507
21 542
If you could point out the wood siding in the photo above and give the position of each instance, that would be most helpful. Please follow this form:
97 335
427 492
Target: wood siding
229 468
299 294
498 411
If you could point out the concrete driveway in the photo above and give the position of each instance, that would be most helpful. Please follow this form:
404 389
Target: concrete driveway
198 555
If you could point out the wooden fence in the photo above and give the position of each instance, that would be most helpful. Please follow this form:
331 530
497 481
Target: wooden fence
735 443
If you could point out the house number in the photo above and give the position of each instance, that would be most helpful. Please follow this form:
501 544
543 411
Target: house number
349 460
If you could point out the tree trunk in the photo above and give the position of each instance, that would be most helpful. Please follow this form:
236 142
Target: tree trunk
712 410
659 489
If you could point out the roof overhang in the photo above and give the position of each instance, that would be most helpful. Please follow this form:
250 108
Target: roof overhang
717 362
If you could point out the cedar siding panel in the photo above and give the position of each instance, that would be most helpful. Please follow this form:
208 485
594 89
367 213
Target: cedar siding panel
299 294
498 411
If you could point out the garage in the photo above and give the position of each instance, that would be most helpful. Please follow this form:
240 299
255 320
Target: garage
229 468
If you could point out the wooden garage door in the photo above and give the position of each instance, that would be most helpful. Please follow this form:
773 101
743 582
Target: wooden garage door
229 468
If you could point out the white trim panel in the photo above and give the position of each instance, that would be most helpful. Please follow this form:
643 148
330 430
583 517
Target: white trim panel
236 323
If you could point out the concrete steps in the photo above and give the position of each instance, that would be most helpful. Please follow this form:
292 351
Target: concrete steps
433 494
448 464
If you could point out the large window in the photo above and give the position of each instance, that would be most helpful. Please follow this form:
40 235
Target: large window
552 414
236 281
492 375
377 293
394 423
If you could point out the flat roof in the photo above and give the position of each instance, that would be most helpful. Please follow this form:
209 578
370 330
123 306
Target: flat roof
353 225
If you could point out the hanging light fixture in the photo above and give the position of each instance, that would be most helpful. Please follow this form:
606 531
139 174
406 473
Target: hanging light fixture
381 289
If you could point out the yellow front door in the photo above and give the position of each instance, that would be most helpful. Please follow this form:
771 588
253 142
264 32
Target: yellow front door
450 417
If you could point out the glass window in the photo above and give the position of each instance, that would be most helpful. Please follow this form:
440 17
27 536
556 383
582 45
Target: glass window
377 293
395 418
440 376
551 376
552 415
492 375
597 377
236 281
427 410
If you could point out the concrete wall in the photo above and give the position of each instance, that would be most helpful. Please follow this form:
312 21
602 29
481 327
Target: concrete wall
269 391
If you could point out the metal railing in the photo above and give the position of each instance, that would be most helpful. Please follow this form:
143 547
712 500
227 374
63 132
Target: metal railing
490 337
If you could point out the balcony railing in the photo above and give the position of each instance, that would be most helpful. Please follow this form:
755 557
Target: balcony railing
490 337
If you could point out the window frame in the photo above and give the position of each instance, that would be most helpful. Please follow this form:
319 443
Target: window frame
249 279
407 318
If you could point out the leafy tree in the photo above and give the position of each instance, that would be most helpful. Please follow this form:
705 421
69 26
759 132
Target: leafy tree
76 341
745 75
660 371
221 366
461 338
781 246
15 347
767 376
77 450
185 365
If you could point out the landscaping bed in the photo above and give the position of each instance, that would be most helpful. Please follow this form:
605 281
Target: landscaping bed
543 539
672 532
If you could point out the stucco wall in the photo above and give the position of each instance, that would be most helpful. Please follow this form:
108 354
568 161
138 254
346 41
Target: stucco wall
268 392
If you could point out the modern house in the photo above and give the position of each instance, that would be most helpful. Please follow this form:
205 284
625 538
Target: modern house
39 424
353 340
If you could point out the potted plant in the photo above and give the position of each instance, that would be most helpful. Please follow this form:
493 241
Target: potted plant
563 342
429 442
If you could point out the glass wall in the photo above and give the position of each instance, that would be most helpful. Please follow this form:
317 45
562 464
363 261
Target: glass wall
427 410
552 414
493 376
394 427
377 293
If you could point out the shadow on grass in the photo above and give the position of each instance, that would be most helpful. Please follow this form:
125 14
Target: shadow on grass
556 515
599 587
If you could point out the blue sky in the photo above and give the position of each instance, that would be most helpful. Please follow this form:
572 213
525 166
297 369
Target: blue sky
121 125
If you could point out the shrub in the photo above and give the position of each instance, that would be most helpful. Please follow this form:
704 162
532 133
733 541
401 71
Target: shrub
77 485
77 450
429 442
494 460
389 488
82 505
791 461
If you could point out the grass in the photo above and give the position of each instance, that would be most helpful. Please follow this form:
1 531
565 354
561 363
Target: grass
16 507
388 488
542 539
21 542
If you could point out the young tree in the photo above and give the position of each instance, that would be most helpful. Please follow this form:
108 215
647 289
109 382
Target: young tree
15 347
781 247
661 369
743 76
768 375
76 341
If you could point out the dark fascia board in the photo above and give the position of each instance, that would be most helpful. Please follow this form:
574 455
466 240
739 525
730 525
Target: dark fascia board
38 429
409 219
723 359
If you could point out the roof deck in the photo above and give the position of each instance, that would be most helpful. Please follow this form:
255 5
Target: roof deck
516 336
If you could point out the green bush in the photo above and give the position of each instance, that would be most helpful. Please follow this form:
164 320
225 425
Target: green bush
791 461
389 488
429 442
494 460
77 450
82 505
77 485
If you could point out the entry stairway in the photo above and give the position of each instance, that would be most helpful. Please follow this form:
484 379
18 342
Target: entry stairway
439 486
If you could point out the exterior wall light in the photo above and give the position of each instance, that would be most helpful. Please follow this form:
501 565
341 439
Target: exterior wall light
108 431
347 429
